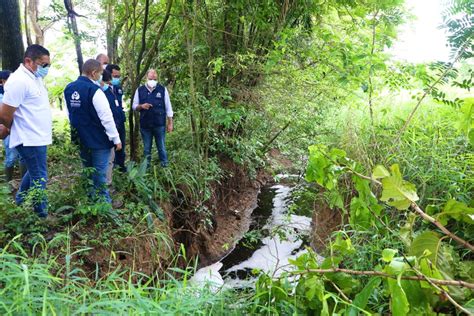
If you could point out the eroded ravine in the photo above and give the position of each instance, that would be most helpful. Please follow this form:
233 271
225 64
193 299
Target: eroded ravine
276 236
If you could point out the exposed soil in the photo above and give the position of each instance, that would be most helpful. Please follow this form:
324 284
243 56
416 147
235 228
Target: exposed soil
144 252
232 202
324 222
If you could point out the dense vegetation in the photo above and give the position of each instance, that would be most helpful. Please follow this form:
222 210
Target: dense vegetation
388 145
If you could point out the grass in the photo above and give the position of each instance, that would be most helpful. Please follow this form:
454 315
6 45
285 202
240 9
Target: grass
432 153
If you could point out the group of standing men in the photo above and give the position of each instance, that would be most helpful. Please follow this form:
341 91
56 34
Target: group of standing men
95 109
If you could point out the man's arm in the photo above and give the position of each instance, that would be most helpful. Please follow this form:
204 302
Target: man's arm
102 107
6 119
169 111
138 107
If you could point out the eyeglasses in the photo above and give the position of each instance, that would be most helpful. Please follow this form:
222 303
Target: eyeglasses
44 65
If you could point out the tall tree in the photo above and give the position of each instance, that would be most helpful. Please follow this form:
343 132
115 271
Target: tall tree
29 41
11 42
33 14
72 24
142 33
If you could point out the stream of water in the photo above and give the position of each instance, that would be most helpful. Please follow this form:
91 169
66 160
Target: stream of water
276 236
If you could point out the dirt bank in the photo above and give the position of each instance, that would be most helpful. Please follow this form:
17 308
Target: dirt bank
324 222
232 201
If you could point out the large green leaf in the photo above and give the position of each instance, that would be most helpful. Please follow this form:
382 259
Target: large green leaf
396 191
399 303
426 241
380 172
362 298
457 210
470 306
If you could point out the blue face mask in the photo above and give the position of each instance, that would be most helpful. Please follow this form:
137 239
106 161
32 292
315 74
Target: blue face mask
105 86
115 81
41 72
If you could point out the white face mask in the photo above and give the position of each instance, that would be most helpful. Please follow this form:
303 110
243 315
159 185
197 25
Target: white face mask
151 83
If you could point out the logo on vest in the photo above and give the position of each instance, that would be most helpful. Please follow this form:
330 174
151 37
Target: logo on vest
158 95
119 91
75 100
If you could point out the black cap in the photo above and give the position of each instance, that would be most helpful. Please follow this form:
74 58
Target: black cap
4 74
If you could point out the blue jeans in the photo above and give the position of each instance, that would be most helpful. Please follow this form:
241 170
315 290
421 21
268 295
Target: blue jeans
35 159
11 154
159 134
98 159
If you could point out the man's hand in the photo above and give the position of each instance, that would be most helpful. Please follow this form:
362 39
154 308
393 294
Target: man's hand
169 127
118 147
145 106
4 131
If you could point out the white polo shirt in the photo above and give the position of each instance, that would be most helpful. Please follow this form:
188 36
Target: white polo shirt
168 108
32 120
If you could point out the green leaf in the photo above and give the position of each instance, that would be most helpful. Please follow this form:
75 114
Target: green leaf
380 172
428 240
470 306
457 210
396 191
343 245
344 281
399 303
388 254
430 271
362 298
360 216
406 231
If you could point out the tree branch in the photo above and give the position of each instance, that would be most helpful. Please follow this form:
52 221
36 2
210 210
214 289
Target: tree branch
433 221
386 275
151 53
143 44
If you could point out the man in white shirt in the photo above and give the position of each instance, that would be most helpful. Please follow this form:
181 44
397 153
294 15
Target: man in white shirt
152 100
26 115
91 116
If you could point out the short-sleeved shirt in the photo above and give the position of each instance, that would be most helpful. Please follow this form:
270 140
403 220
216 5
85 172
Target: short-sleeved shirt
32 120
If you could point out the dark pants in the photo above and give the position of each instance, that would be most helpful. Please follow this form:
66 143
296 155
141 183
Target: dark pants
120 154
98 160
159 134
36 177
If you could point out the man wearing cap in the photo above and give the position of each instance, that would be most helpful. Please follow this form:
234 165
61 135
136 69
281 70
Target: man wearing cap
25 114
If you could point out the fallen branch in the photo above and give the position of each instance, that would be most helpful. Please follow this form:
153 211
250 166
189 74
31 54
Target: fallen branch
430 219
386 275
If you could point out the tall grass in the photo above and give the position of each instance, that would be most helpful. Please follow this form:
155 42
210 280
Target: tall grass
432 152
42 286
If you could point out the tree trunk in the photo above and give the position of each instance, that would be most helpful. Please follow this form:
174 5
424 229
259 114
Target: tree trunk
111 52
25 21
11 42
72 24
33 13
